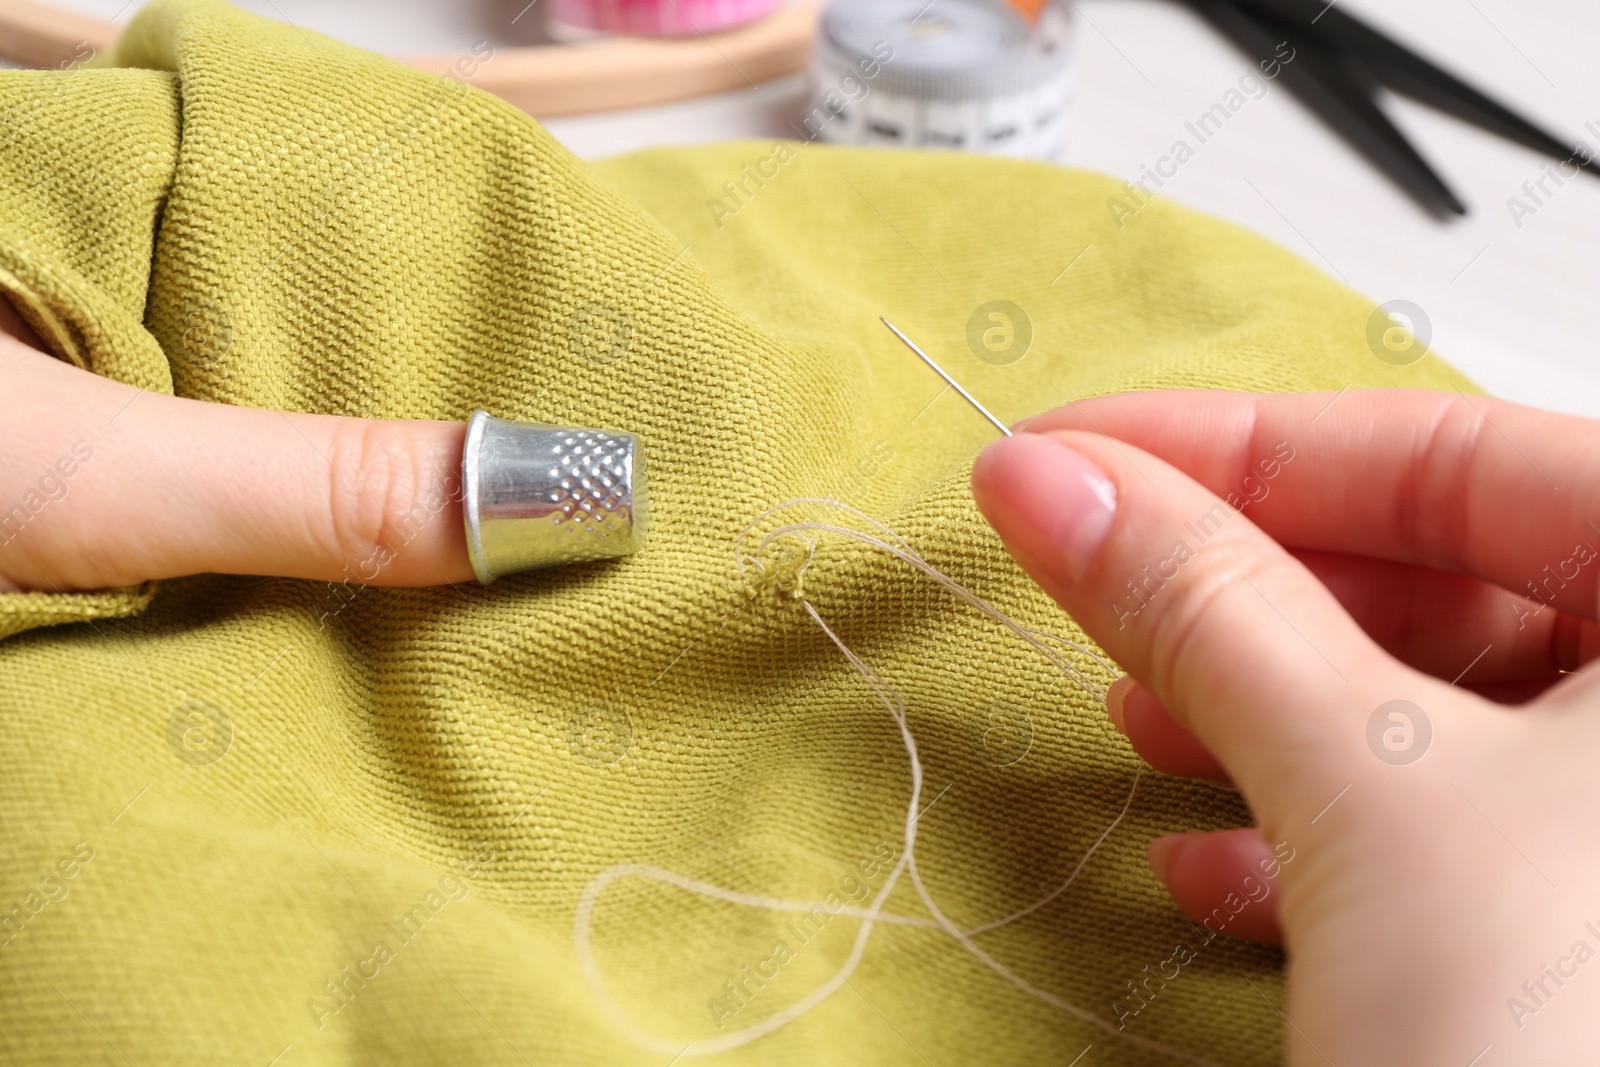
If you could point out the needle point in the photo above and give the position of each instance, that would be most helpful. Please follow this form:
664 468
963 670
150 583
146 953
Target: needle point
968 397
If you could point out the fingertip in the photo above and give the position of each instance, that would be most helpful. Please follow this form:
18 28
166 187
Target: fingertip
983 466
1163 742
1117 700
1224 879
1159 854
1046 500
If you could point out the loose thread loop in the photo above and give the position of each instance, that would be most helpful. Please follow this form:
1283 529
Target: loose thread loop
758 573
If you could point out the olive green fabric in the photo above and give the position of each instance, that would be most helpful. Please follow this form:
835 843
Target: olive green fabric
247 818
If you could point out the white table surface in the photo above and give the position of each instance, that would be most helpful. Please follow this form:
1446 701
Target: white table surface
1506 302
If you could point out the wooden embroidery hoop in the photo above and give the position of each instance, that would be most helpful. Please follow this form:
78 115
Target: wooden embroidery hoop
543 80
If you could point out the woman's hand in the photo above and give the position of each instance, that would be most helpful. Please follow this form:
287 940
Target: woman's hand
105 485
1404 562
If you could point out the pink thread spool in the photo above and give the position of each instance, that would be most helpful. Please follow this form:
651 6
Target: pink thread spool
569 19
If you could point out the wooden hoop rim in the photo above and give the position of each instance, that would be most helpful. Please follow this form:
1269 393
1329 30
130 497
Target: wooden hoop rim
546 80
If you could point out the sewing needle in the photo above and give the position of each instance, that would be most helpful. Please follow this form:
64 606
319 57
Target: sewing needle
951 382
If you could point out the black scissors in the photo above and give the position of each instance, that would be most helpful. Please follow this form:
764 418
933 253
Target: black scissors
1339 63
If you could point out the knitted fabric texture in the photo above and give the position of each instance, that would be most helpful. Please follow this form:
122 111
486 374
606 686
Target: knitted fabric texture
353 825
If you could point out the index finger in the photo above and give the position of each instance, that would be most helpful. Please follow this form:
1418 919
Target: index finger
1506 493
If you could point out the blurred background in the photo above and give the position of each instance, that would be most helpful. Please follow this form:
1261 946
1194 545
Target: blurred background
1508 294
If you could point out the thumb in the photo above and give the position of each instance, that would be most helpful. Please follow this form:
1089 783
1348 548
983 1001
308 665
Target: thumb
1232 634
104 485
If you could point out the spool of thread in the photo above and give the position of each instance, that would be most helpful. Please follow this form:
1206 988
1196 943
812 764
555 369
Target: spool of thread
578 19
960 74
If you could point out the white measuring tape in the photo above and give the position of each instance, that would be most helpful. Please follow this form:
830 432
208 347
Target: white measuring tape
961 74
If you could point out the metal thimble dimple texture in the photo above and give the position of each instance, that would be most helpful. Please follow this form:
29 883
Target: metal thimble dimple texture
539 496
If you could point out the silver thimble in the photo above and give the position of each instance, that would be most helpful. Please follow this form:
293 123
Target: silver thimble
538 496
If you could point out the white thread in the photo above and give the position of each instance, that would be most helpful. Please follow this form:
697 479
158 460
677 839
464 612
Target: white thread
907 553
874 913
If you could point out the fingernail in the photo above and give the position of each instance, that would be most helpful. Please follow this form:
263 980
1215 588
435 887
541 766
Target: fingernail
1160 851
1117 699
1047 498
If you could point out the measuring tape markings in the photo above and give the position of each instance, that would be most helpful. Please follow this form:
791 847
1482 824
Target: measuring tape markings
971 76
839 76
